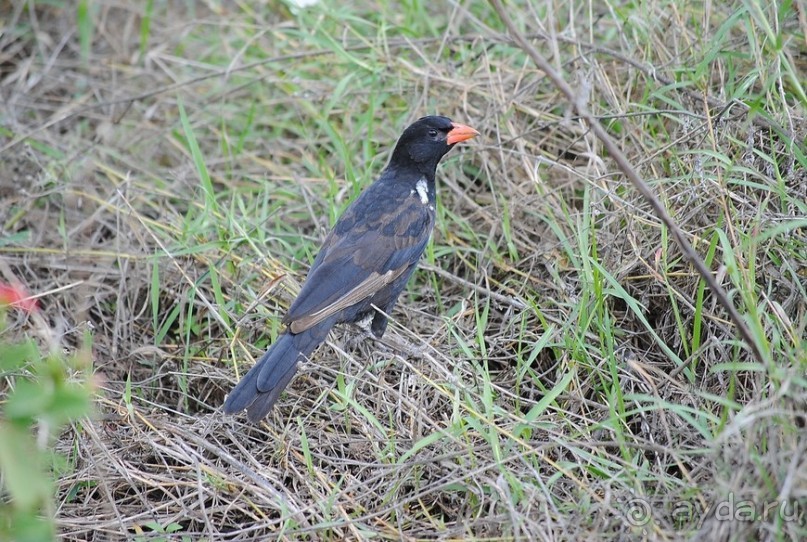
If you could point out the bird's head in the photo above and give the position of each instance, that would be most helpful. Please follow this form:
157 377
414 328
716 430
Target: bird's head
426 141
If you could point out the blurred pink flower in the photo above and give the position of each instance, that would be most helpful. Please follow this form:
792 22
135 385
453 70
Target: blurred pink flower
17 296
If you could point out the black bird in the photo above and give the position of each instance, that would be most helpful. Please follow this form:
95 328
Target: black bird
364 262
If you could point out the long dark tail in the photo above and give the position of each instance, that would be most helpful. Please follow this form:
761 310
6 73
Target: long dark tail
260 388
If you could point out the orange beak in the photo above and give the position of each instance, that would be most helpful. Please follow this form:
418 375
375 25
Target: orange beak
460 132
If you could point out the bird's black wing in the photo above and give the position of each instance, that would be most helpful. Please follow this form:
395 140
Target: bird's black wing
369 248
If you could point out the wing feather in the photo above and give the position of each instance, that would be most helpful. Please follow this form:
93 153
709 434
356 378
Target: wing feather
362 291
367 250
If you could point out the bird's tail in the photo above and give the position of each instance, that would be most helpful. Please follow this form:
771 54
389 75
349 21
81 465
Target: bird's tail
260 388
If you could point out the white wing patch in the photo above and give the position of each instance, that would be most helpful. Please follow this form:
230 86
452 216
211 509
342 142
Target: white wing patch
423 191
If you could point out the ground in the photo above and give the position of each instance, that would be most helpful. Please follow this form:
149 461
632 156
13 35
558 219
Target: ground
556 370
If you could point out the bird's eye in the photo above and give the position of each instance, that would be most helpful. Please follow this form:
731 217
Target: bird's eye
432 133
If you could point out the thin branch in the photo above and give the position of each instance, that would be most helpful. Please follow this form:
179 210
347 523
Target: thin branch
581 108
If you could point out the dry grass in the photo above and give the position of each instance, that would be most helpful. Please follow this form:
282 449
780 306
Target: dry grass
556 370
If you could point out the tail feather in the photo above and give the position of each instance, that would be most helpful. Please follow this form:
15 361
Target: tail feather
264 401
260 388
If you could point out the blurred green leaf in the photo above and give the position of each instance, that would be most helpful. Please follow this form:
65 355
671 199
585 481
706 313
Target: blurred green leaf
31 527
68 403
27 401
21 464
15 356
